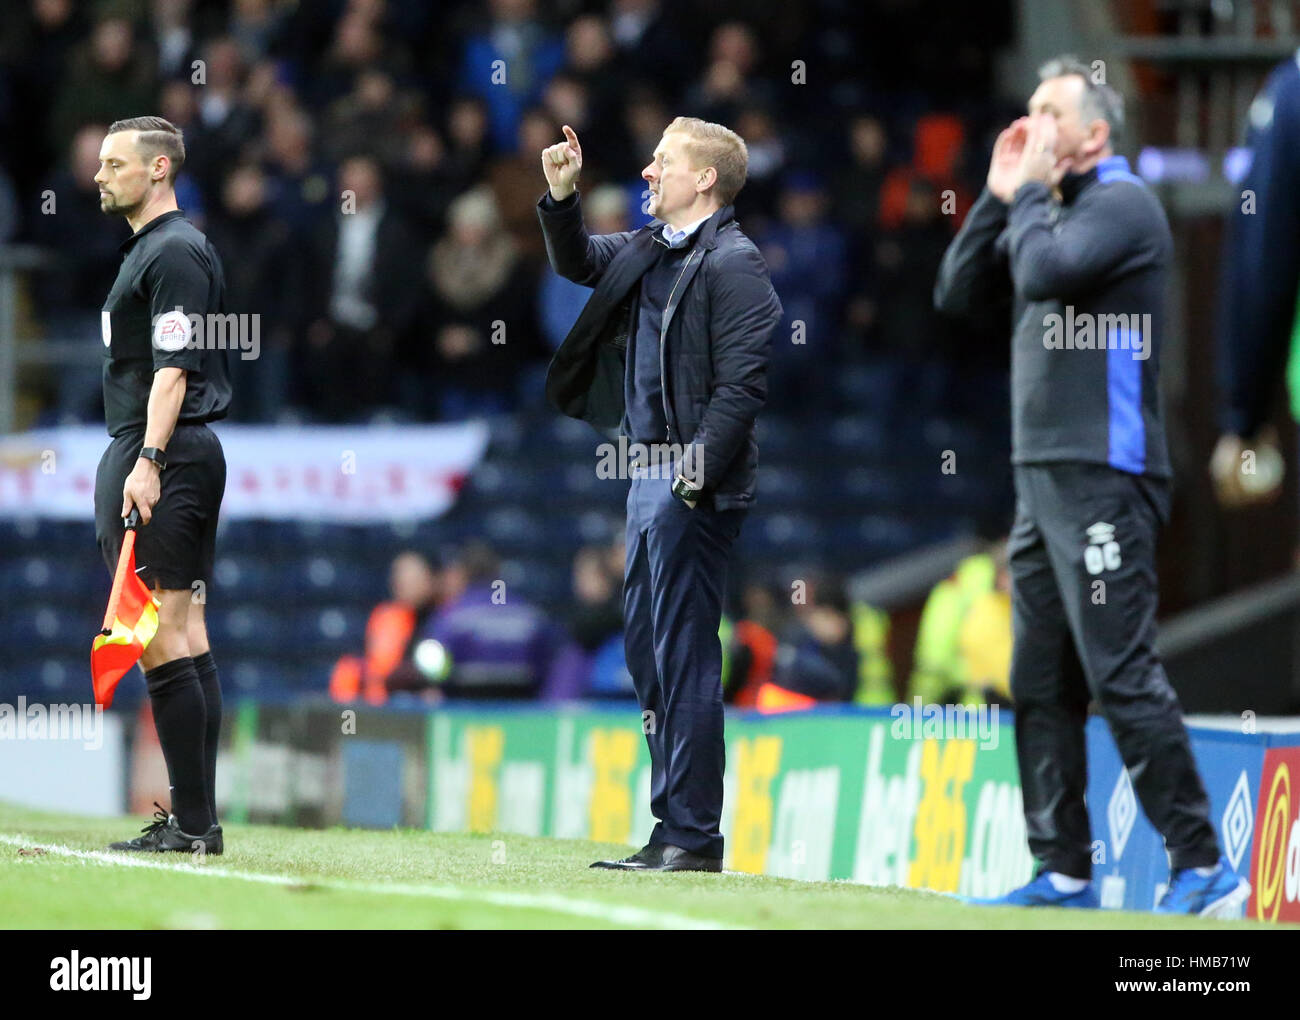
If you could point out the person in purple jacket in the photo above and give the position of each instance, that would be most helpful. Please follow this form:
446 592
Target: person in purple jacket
488 642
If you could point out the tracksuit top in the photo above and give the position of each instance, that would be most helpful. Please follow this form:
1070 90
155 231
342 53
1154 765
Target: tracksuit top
1087 276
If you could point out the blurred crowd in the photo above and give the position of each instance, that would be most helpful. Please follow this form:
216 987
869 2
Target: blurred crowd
368 171
452 629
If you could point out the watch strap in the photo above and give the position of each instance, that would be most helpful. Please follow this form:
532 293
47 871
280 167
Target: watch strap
684 489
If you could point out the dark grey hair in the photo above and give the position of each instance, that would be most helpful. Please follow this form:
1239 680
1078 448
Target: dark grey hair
157 137
1099 101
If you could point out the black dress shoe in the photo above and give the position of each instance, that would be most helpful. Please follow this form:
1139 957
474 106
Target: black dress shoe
674 858
648 857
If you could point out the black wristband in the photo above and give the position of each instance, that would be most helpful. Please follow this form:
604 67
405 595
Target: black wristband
156 455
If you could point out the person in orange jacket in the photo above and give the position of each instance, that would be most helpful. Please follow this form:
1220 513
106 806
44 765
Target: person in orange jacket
417 588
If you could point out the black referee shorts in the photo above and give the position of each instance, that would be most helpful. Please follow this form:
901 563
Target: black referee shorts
1082 556
177 547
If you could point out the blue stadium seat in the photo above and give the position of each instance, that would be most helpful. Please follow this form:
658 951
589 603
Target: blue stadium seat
506 482
862 540
47 625
864 490
305 537
57 677
580 479
65 680
313 675
511 528
790 535
248 675
577 486
244 578
859 437
267 539
556 437
48 535
329 629
49 576
542 582
867 388
505 435
248 627
788 441
782 488
378 542
944 434
320 573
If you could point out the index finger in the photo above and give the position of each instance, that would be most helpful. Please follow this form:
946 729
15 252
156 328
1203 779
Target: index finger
572 138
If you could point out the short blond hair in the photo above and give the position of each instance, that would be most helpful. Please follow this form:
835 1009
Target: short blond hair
719 147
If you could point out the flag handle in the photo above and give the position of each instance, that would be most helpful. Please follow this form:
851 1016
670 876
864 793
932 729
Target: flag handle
119 579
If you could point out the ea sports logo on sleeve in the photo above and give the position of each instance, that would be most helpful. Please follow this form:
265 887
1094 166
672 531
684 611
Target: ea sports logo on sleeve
1275 865
172 331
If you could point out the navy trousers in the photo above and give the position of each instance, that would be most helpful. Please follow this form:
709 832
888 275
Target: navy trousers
673 590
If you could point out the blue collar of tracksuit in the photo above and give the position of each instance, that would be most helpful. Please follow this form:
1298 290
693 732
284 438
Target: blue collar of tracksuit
1112 168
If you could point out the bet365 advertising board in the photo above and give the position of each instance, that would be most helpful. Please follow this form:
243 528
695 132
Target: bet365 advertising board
875 796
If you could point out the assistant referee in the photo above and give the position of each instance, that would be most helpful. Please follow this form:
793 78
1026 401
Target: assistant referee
1077 239
161 387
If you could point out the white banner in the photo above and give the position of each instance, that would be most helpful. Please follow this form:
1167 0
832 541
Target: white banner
341 473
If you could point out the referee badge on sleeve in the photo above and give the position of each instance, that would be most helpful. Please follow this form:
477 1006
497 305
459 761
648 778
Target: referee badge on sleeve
171 331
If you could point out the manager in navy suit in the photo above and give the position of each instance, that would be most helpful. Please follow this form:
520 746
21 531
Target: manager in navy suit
671 353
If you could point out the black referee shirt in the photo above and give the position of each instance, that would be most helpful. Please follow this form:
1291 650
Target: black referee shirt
159 314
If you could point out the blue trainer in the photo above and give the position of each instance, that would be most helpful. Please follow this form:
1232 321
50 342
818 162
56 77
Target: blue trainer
1041 893
1222 894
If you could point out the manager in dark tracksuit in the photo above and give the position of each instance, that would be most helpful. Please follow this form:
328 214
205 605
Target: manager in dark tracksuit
671 351
1085 249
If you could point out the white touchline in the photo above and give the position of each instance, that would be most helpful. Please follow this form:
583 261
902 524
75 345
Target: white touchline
636 917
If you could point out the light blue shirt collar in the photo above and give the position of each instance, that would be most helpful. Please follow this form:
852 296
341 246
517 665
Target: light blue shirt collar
678 238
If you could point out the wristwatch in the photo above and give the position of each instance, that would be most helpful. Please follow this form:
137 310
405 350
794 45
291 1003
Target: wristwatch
156 455
685 491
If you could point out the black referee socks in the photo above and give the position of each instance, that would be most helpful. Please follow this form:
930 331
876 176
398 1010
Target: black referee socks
180 717
206 668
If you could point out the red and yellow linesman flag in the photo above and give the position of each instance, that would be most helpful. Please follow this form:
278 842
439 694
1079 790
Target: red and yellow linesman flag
130 623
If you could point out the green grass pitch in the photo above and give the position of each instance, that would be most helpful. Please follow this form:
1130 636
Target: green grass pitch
53 875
